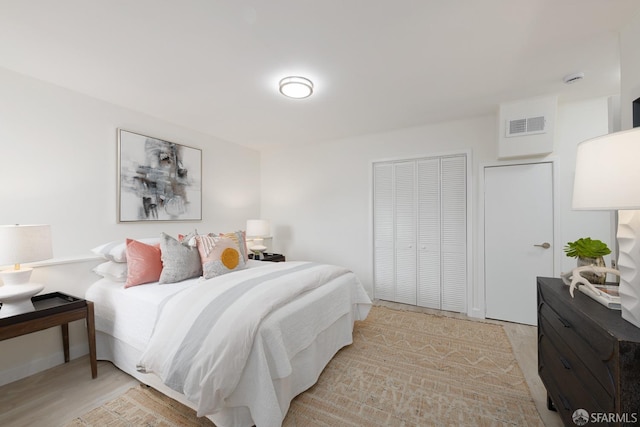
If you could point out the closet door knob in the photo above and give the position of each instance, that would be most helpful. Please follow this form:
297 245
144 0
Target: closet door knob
545 245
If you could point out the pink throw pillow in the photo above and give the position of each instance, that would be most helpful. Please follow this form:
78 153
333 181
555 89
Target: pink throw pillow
144 263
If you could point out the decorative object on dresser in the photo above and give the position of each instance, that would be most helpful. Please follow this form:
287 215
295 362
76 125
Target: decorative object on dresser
588 357
589 252
607 295
51 310
21 244
257 230
158 180
606 178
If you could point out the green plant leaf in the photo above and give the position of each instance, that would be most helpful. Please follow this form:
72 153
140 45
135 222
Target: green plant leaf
586 248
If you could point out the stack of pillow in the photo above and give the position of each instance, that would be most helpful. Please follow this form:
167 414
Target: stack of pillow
166 259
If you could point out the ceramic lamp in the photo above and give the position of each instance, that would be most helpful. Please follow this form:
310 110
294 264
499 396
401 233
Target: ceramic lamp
258 229
606 178
21 244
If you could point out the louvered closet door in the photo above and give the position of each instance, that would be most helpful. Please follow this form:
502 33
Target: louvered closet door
383 232
420 223
454 233
405 231
429 277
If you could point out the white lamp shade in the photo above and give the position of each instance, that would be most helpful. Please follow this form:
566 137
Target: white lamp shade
608 172
258 228
24 243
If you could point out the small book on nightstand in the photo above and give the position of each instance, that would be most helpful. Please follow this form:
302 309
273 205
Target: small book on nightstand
270 257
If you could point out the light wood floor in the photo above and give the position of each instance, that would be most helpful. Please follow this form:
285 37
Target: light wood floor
60 394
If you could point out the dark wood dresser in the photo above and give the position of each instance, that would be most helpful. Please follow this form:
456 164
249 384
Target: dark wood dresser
588 356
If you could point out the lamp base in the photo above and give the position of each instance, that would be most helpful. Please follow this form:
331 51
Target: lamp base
16 299
16 277
257 251
629 265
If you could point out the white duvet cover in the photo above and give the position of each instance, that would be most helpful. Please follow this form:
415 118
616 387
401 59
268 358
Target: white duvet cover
241 360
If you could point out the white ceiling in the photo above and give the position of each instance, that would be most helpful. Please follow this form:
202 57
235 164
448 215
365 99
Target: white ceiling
214 65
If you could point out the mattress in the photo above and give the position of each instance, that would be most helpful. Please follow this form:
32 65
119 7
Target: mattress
292 346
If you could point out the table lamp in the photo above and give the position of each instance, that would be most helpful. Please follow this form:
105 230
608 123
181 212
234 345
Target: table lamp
608 178
258 229
21 244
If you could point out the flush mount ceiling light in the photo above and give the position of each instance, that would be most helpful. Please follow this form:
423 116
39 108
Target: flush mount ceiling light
296 87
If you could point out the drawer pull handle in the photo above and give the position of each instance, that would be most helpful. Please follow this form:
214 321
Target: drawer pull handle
565 363
565 403
564 322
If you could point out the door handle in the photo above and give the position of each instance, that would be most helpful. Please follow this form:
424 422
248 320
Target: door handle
545 245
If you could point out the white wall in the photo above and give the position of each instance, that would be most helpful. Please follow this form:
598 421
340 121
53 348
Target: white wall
629 70
319 197
58 167
578 122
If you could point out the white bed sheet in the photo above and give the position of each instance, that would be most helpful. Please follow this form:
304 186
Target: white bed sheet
125 319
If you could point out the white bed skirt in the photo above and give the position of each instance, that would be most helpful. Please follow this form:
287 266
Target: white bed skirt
307 366
269 380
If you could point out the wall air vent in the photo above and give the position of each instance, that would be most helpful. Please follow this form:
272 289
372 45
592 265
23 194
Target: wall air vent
526 126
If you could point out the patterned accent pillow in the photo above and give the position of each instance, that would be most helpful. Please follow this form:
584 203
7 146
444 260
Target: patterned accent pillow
240 238
219 255
144 264
179 261
188 239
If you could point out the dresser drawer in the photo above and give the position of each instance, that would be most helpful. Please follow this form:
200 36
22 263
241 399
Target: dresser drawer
592 347
572 326
562 362
567 389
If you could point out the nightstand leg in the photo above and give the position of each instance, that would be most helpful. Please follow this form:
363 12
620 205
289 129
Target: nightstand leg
65 341
91 335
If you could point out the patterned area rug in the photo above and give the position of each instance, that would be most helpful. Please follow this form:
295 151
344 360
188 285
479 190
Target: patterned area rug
403 369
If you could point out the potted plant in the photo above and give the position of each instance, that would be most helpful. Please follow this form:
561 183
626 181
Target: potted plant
589 252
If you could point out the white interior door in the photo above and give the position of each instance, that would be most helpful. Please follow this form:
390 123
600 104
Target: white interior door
518 229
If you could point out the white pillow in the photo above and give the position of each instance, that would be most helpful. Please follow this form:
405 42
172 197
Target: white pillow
117 250
116 271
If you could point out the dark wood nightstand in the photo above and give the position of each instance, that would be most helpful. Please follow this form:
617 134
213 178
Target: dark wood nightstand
54 309
270 257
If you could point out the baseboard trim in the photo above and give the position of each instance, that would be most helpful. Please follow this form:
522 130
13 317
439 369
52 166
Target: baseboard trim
32 367
476 313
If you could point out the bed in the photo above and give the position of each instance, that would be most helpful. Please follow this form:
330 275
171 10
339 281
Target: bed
236 347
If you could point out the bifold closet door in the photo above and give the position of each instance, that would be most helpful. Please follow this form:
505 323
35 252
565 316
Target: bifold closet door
383 232
405 231
429 215
454 233
442 233
420 221
395 232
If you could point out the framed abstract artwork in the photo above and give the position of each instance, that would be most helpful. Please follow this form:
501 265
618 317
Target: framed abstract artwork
158 180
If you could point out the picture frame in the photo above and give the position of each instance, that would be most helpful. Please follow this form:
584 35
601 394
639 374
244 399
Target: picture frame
158 180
